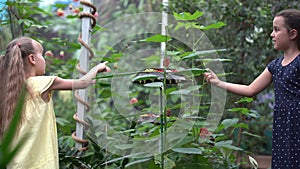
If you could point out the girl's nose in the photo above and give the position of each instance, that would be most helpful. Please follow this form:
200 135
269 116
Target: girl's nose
272 34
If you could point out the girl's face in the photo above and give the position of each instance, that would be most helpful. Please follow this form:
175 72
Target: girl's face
280 34
40 65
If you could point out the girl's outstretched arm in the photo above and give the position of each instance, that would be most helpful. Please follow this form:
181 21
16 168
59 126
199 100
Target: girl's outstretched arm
259 84
83 82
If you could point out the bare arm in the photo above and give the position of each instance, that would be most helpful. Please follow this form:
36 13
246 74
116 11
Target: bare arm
83 82
259 84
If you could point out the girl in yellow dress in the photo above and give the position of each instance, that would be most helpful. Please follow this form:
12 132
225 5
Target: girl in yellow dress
23 63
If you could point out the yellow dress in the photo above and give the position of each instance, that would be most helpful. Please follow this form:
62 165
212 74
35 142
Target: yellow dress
41 148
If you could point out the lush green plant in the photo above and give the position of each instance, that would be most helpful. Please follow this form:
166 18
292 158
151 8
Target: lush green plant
193 151
7 150
245 36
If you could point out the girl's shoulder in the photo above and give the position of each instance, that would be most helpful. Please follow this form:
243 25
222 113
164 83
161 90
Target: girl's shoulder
277 60
37 78
40 83
274 63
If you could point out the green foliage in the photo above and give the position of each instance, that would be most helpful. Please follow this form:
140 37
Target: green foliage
238 29
157 38
212 152
7 150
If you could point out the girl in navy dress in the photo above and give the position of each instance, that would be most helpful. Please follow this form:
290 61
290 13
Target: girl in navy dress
284 72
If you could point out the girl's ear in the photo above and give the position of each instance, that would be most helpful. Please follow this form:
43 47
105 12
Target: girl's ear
31 59
293 34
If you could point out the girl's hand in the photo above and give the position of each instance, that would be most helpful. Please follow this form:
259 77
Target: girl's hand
103 68
211 77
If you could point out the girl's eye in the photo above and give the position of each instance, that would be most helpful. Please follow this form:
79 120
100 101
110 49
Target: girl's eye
276 29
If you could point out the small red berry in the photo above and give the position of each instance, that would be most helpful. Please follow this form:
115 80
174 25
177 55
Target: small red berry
169 112
133 100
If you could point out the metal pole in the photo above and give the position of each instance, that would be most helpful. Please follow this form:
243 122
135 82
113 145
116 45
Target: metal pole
84 65
164 25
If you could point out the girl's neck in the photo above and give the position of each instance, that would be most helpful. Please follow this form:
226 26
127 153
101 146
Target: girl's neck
29 74
291 53
29 71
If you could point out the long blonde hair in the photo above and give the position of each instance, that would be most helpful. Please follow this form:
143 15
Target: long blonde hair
13 77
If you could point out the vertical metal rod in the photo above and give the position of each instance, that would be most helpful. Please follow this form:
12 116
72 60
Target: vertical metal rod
84 64
164 25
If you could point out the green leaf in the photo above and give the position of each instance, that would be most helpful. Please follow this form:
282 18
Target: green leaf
186 16
245 111
26 22
194 71
137 162
60 5
241 125
71 16
202 53
242 110
158 38
213 26
251 134
187 25
98 28
144 77
182 24
227 144
188 150
229 122
245 100
214 60
6 152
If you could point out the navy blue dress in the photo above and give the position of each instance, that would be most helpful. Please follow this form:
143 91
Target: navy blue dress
286 122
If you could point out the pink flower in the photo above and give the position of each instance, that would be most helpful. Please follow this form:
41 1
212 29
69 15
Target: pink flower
61 54
204 132
166 62
75 0
49 53
76 10
133 100
96 14
60 12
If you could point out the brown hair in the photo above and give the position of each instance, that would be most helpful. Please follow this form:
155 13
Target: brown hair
292 21
12 77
